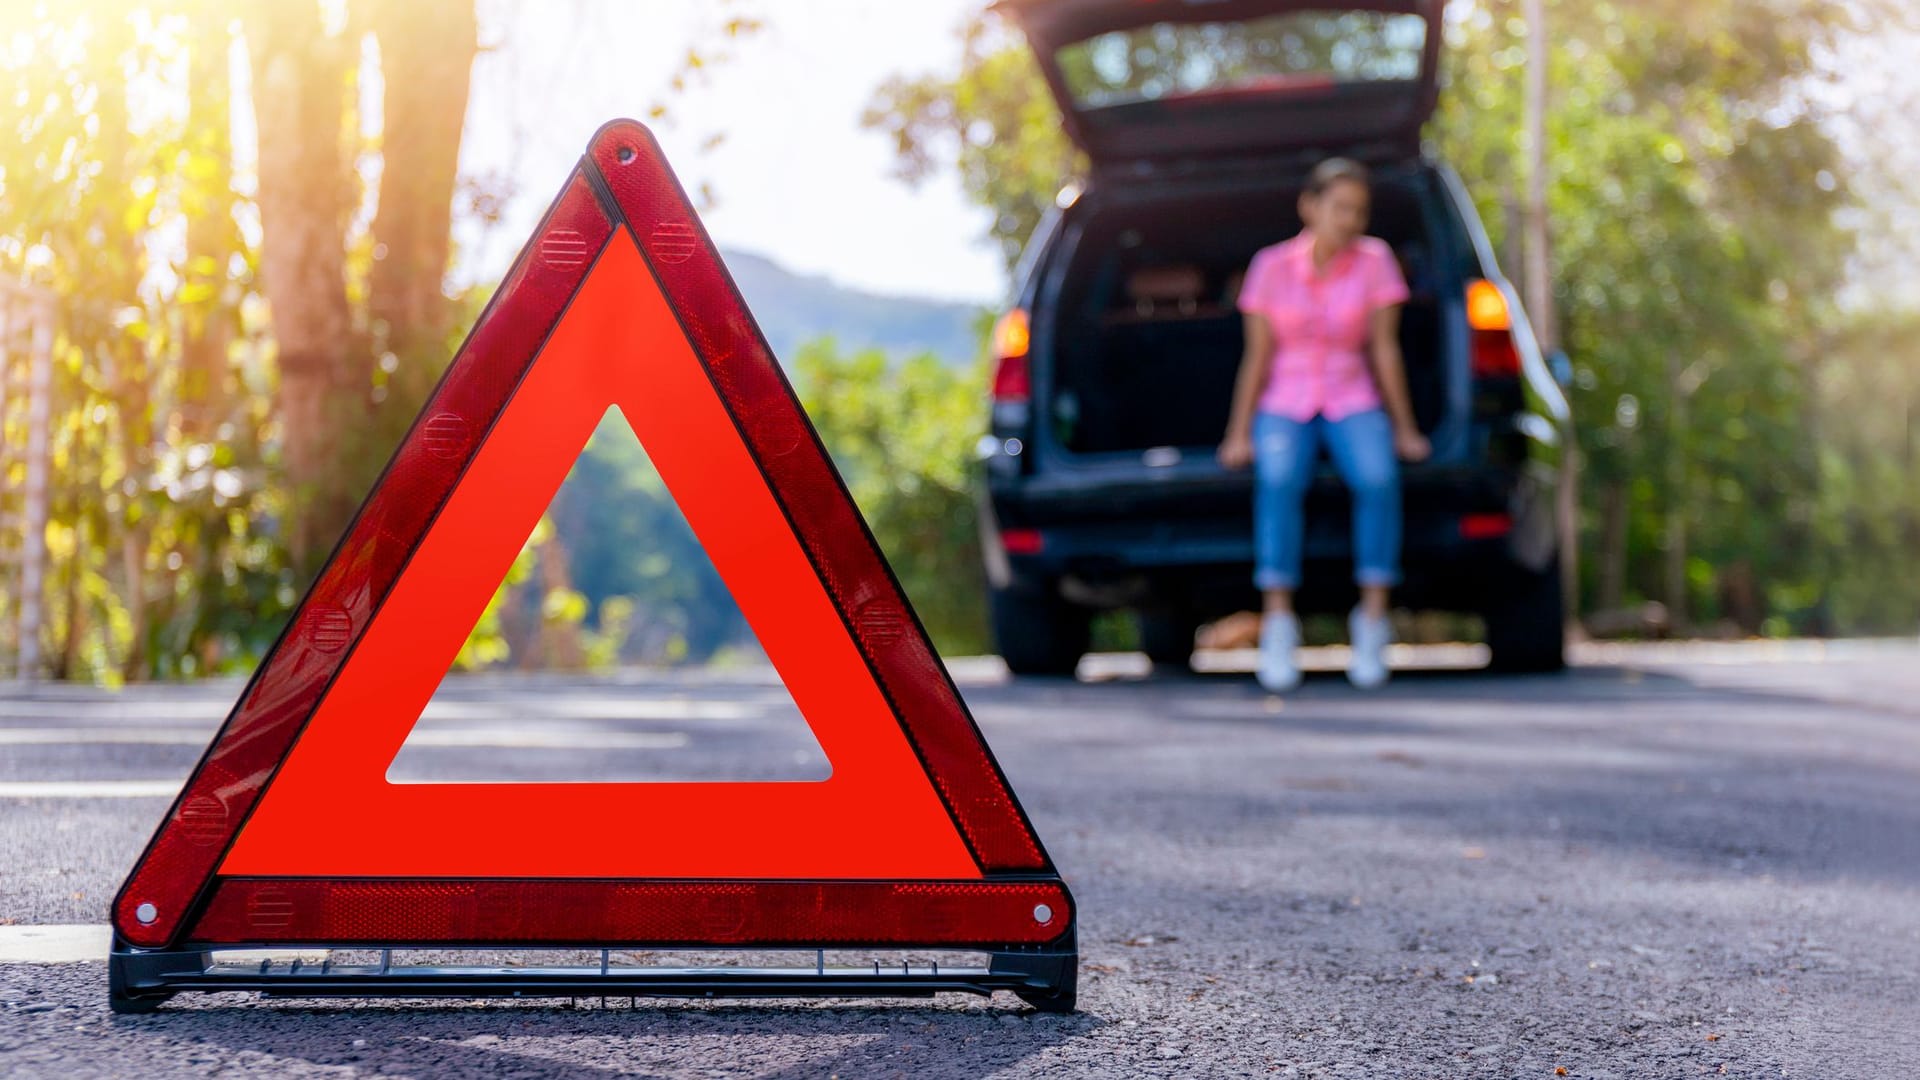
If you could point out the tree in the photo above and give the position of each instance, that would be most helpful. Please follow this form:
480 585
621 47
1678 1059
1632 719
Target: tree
234 361
1866 418
157 521
1687 273
994 123
164 500
305 81
426 56
902 434
301 89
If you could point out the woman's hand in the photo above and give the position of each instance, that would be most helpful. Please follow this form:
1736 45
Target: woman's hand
1410 445
1237 451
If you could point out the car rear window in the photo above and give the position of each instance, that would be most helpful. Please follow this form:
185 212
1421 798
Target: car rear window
1300 51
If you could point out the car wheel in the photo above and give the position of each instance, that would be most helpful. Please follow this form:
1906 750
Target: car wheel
1037 633
1526 627
1167 638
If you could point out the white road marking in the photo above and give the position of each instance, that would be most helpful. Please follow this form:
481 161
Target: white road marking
74 943
565 705
549 739
110 708
531 738
466 738
54 944
94 736
89 789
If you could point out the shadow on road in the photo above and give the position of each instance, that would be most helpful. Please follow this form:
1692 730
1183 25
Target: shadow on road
517 1038
1603 761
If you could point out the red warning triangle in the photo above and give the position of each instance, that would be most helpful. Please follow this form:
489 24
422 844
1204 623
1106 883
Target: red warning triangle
288 831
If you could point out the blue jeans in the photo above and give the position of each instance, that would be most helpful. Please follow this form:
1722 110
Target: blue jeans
1284 454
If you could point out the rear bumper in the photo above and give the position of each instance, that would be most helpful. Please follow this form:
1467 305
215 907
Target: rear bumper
1467 535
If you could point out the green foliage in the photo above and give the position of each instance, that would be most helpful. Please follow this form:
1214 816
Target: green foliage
169 512
635 562
1749 443
168 544
1690 279
1867 519
486 644
901 434
994 122
1164 59
163 559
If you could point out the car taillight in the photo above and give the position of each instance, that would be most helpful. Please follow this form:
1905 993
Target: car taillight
1012 378
1485 526
1022 541
1012 383
1491 324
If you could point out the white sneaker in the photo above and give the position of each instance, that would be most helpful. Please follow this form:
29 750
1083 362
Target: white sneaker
1369 637
1278 671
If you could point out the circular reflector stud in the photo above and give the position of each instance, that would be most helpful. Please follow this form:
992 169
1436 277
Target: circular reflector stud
1042 914
881 622
329 628
203 820
146 913
564 249
673 242
445 436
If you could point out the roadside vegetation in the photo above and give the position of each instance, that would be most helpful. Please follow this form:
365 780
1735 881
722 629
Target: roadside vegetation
240 343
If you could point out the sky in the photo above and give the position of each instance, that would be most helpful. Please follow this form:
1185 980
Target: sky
796 177
1879 128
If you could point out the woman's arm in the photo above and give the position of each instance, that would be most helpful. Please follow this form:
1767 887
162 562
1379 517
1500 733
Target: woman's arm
1236 451
1390 371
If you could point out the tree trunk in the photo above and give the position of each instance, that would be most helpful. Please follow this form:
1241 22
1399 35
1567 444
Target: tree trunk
69 659
1740 601
1678 504
212 237
300 90
126 366
1539 300
1513 242
426 58
133 558
1613 546
561 647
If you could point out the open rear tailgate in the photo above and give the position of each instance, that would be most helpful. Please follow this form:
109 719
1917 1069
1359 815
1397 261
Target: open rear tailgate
1144 80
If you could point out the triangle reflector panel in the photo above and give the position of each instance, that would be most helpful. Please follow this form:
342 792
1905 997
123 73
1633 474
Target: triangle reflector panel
288 831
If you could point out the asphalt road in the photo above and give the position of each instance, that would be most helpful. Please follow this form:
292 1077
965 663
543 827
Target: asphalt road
1670 862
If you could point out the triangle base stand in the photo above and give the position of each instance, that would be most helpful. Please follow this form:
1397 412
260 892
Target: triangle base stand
141 980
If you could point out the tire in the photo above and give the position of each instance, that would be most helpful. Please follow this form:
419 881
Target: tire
1037 634
1526 630
1167 638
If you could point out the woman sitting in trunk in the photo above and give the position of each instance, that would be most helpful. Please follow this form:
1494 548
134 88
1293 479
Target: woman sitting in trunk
1323 366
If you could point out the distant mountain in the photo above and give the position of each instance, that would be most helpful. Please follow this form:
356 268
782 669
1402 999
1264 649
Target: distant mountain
795 308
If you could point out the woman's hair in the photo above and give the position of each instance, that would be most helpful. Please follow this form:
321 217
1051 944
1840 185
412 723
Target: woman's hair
1333 171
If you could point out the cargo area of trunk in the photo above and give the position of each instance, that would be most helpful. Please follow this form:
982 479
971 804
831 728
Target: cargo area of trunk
1147 340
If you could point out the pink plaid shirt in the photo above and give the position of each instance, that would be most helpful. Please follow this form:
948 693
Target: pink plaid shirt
1321 324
